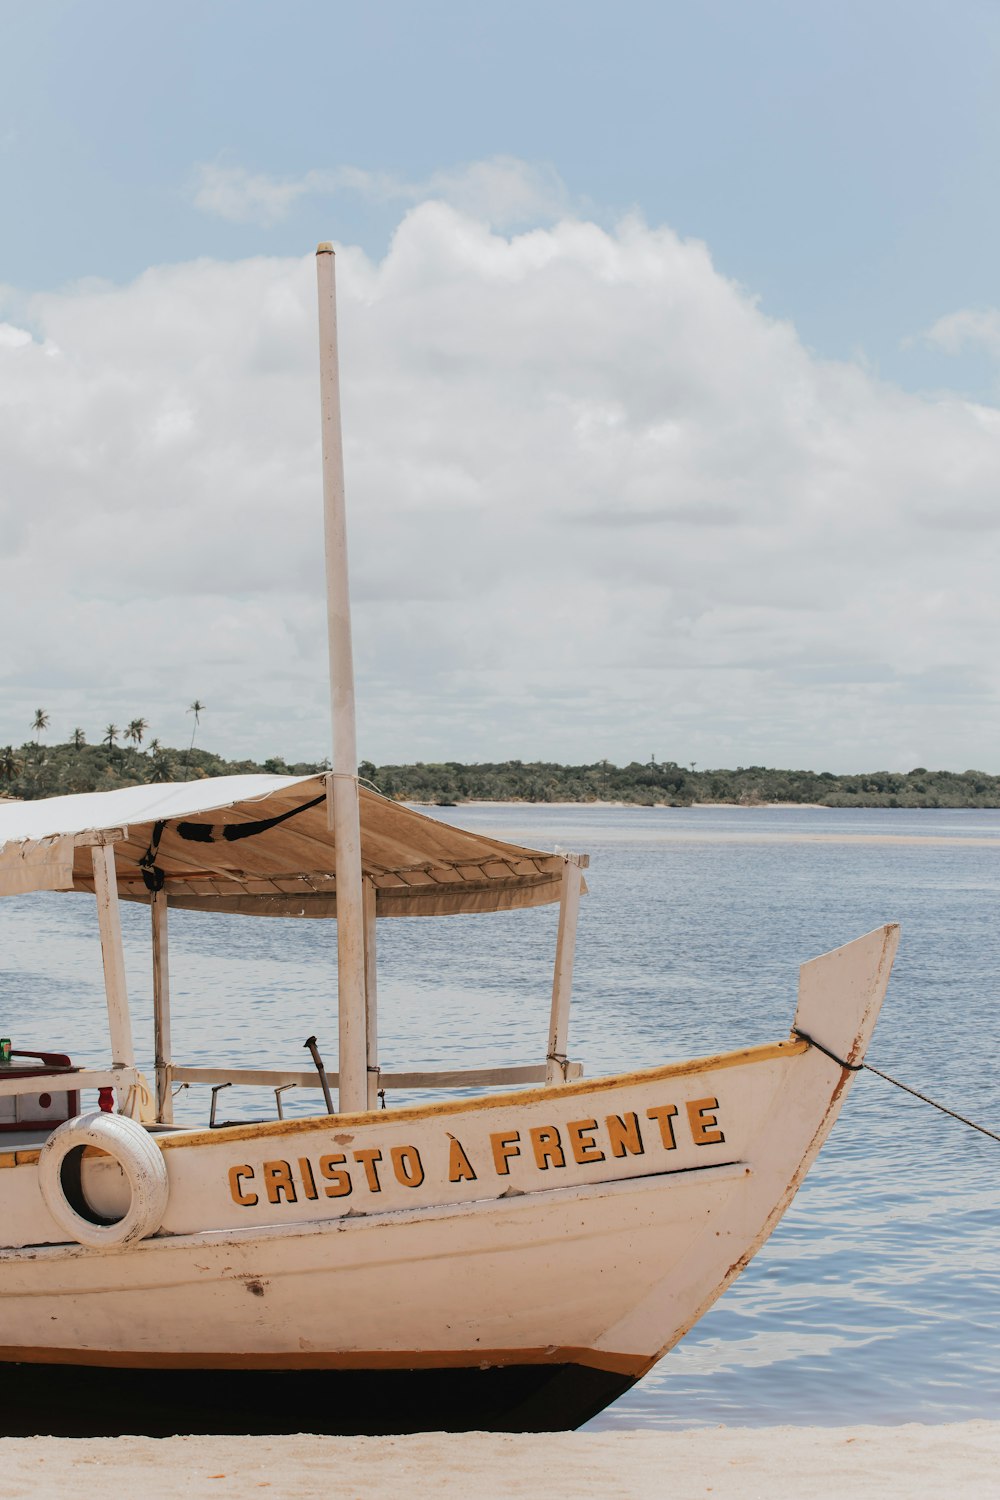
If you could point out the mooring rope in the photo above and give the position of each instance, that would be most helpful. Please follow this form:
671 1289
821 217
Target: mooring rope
870 1068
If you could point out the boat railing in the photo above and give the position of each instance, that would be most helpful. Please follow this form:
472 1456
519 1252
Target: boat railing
69 1081
123 1078
72 1080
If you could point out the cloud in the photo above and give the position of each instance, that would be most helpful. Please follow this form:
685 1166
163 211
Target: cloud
958 330
505 191
245 197
600 504
13 338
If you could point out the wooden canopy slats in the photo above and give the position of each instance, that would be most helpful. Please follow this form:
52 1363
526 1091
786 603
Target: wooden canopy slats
264 843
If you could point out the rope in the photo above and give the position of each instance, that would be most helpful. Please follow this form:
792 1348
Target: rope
851 1067
869 1068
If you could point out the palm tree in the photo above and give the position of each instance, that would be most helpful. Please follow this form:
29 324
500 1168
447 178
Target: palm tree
78 739
162 765
9 763
135 731
41 722
111 735
197 708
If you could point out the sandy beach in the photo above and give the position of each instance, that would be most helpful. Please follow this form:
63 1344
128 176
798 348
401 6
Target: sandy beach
779 1463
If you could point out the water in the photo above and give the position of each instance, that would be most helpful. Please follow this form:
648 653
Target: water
878 1297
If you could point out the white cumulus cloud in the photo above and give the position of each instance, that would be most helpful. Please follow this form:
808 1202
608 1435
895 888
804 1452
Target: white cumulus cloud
600 505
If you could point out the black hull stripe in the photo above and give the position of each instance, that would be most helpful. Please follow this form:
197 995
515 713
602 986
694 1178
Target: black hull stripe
53 1401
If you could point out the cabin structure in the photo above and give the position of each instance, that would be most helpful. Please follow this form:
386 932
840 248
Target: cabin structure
263 846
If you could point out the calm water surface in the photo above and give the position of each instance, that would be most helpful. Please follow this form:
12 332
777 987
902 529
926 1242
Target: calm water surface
878 1296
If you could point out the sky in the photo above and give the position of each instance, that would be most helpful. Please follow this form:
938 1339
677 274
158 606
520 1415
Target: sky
670 347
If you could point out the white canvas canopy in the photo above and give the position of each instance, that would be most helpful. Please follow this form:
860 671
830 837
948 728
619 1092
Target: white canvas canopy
263 845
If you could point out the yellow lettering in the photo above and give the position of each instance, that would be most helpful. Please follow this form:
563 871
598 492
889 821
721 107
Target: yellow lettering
407 1165
704 1125
338 1180
368 1159
278 1180
504 1147
582 1142
459 1165
623 1133
308 1180
546 1146
663 1114
246 1200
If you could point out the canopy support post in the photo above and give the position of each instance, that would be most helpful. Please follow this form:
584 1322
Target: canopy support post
161 1008
562 981
113 955
371 994
342 783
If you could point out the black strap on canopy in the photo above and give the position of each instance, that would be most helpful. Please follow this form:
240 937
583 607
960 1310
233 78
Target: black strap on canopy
210 833
152 875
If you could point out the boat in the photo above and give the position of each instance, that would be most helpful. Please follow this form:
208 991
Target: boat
511 1252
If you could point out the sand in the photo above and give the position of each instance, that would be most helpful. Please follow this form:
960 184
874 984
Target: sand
778 1463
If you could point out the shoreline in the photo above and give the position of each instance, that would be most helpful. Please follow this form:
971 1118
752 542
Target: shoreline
661 806
728 1463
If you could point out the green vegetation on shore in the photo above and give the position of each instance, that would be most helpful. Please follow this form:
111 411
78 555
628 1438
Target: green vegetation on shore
39 770
666 783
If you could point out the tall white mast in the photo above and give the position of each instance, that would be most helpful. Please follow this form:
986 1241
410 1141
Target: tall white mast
343 783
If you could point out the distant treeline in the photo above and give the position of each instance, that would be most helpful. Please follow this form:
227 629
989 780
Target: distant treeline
665 783
39 770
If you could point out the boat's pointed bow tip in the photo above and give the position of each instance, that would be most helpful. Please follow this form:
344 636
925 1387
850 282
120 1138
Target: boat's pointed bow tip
841 993
891 933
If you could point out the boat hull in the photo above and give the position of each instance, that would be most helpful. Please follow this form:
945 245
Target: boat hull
556 1242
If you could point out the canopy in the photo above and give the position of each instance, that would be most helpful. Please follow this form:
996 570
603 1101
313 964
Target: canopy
261 845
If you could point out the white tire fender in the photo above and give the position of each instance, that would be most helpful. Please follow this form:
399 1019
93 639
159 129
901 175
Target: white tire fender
139 1158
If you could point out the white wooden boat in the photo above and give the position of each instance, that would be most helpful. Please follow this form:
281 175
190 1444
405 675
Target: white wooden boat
512 1260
